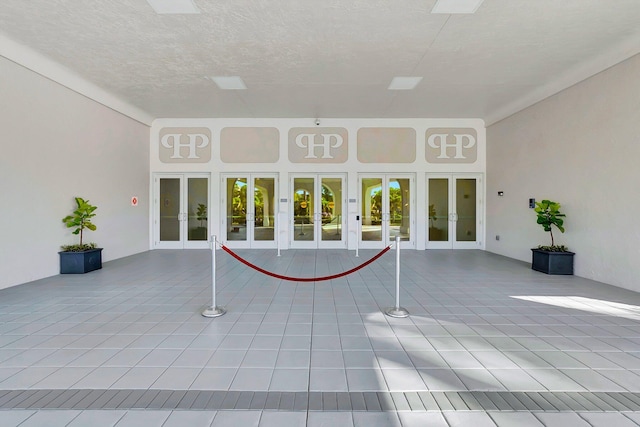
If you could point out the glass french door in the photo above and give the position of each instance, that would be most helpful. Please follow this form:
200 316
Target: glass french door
386 210
249 219
317 216
454 211
181 217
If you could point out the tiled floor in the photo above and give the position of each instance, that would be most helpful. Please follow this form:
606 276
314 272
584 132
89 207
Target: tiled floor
488 342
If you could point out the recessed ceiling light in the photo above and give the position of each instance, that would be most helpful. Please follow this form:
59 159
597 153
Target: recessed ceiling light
456 6
404 83
229 82
167 7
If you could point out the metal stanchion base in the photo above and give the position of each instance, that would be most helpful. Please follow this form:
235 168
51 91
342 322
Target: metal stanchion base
213 312
396 312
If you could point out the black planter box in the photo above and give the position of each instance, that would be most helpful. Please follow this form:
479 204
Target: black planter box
552 262
80 262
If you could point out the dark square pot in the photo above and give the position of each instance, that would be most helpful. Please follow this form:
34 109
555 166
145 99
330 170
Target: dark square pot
80 262
552 262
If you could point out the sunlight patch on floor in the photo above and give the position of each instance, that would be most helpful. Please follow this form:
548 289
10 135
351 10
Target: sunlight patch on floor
588 304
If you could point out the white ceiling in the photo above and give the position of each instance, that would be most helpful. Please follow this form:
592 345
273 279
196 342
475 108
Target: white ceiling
321 58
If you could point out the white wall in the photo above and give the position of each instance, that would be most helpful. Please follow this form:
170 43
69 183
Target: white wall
581 148
56 144
351 167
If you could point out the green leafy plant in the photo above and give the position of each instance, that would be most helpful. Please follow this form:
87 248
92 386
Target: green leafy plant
201 213
79 220
432 214
549 215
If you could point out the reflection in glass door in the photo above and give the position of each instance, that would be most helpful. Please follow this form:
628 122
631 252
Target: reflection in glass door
180 211
318 218
454 220
249 221
386 210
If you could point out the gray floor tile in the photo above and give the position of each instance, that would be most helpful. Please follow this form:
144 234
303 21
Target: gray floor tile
127 357
360 359
101 378
63 378
403 380
330 338
421 419
162 358
519 419
329 419
376 419
138 378
227 357
193 358
289 380
471 418
563 419
26 378
141 418
279 419
517 379
366 380
629 380
259 359
327 359
50 419
237 418
176 378
555 380
293 359
441 379
493 360
607 419
15 417
214 379
253 379
266 342
100 418
328 380
189 418
591 380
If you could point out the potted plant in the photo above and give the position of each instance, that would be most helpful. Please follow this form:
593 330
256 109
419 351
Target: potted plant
82 257
554 259
200 233
435 234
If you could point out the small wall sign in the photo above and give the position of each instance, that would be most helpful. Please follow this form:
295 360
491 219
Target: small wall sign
134 201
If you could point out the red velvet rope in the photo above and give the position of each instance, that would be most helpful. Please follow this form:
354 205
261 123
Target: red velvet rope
304 279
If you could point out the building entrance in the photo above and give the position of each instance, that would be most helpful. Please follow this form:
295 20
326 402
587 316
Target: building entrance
181 214
454 211
386 210
249 202
317 217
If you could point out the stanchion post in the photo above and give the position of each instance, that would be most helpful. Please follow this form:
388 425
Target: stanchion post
397 311
214 310
358 234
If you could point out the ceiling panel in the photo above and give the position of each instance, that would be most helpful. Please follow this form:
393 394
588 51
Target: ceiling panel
302 58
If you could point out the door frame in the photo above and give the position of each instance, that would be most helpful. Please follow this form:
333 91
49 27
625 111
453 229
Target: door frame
183 242
250 241
385 223
452 218
317 242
